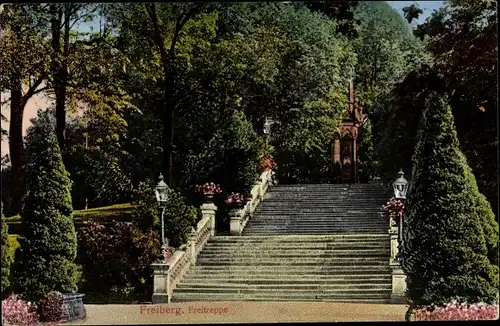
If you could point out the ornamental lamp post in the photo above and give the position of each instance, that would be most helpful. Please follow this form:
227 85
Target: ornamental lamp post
400 188
161 193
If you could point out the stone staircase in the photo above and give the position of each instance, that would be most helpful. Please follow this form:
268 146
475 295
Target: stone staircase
304 243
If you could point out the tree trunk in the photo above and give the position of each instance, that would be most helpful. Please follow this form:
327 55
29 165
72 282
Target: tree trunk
60 71
168 133
16 146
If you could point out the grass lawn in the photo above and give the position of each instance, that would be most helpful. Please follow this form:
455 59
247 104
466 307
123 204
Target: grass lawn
119 212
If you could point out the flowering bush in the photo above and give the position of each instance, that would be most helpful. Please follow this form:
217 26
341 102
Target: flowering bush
458 311
235 200
50 307
267 163
394 208
208 189
18 312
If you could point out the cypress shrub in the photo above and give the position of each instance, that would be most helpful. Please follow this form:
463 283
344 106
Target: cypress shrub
446 254
6 258
44 261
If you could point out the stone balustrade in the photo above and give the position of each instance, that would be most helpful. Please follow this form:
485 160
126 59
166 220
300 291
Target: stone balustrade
238 218
168 274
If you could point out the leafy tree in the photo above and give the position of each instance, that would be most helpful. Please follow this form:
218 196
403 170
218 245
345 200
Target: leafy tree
45 259
397 142
340 11
24 69
366 164
160 30
463 39
446 256
412 12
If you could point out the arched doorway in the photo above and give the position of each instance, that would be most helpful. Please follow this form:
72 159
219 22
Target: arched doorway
347 159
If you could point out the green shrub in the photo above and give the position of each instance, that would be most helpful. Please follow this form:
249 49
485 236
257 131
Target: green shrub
45 260
179 219
446 250
117 257
146 214
6 254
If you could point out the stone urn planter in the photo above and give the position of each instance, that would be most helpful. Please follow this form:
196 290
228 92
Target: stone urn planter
208 191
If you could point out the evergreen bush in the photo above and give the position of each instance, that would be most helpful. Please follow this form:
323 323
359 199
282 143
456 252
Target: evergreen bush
446 254
44 261
6 257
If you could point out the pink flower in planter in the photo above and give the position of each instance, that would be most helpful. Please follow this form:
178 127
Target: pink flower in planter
208 189
394 208
235 200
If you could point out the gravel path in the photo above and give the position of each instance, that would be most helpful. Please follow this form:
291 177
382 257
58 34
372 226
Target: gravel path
240 312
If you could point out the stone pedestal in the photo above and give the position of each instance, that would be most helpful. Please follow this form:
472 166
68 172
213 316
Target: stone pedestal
208 210
235 221
161 293
398 294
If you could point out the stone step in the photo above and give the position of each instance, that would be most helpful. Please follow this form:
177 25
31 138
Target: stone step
326 263
188 298
284 288
258 220
351 297
301 238
291 252
251 231
295 279
291 270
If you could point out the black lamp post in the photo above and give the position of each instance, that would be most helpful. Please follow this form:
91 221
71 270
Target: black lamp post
400 189
161 192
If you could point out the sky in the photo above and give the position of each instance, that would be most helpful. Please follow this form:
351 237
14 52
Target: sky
427 6
39 101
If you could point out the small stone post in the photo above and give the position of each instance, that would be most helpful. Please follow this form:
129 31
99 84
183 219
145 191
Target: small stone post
161 285
192 247
398 276
236 218
208 211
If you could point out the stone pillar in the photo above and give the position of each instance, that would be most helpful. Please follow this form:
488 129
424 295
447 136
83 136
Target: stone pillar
398 294
236 218
208 211
192 247
161 283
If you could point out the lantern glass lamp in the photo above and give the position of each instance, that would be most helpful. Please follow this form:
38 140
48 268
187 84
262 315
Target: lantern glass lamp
161 191
400 186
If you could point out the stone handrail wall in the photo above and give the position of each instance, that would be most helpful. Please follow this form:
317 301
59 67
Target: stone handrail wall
167 275
240 219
